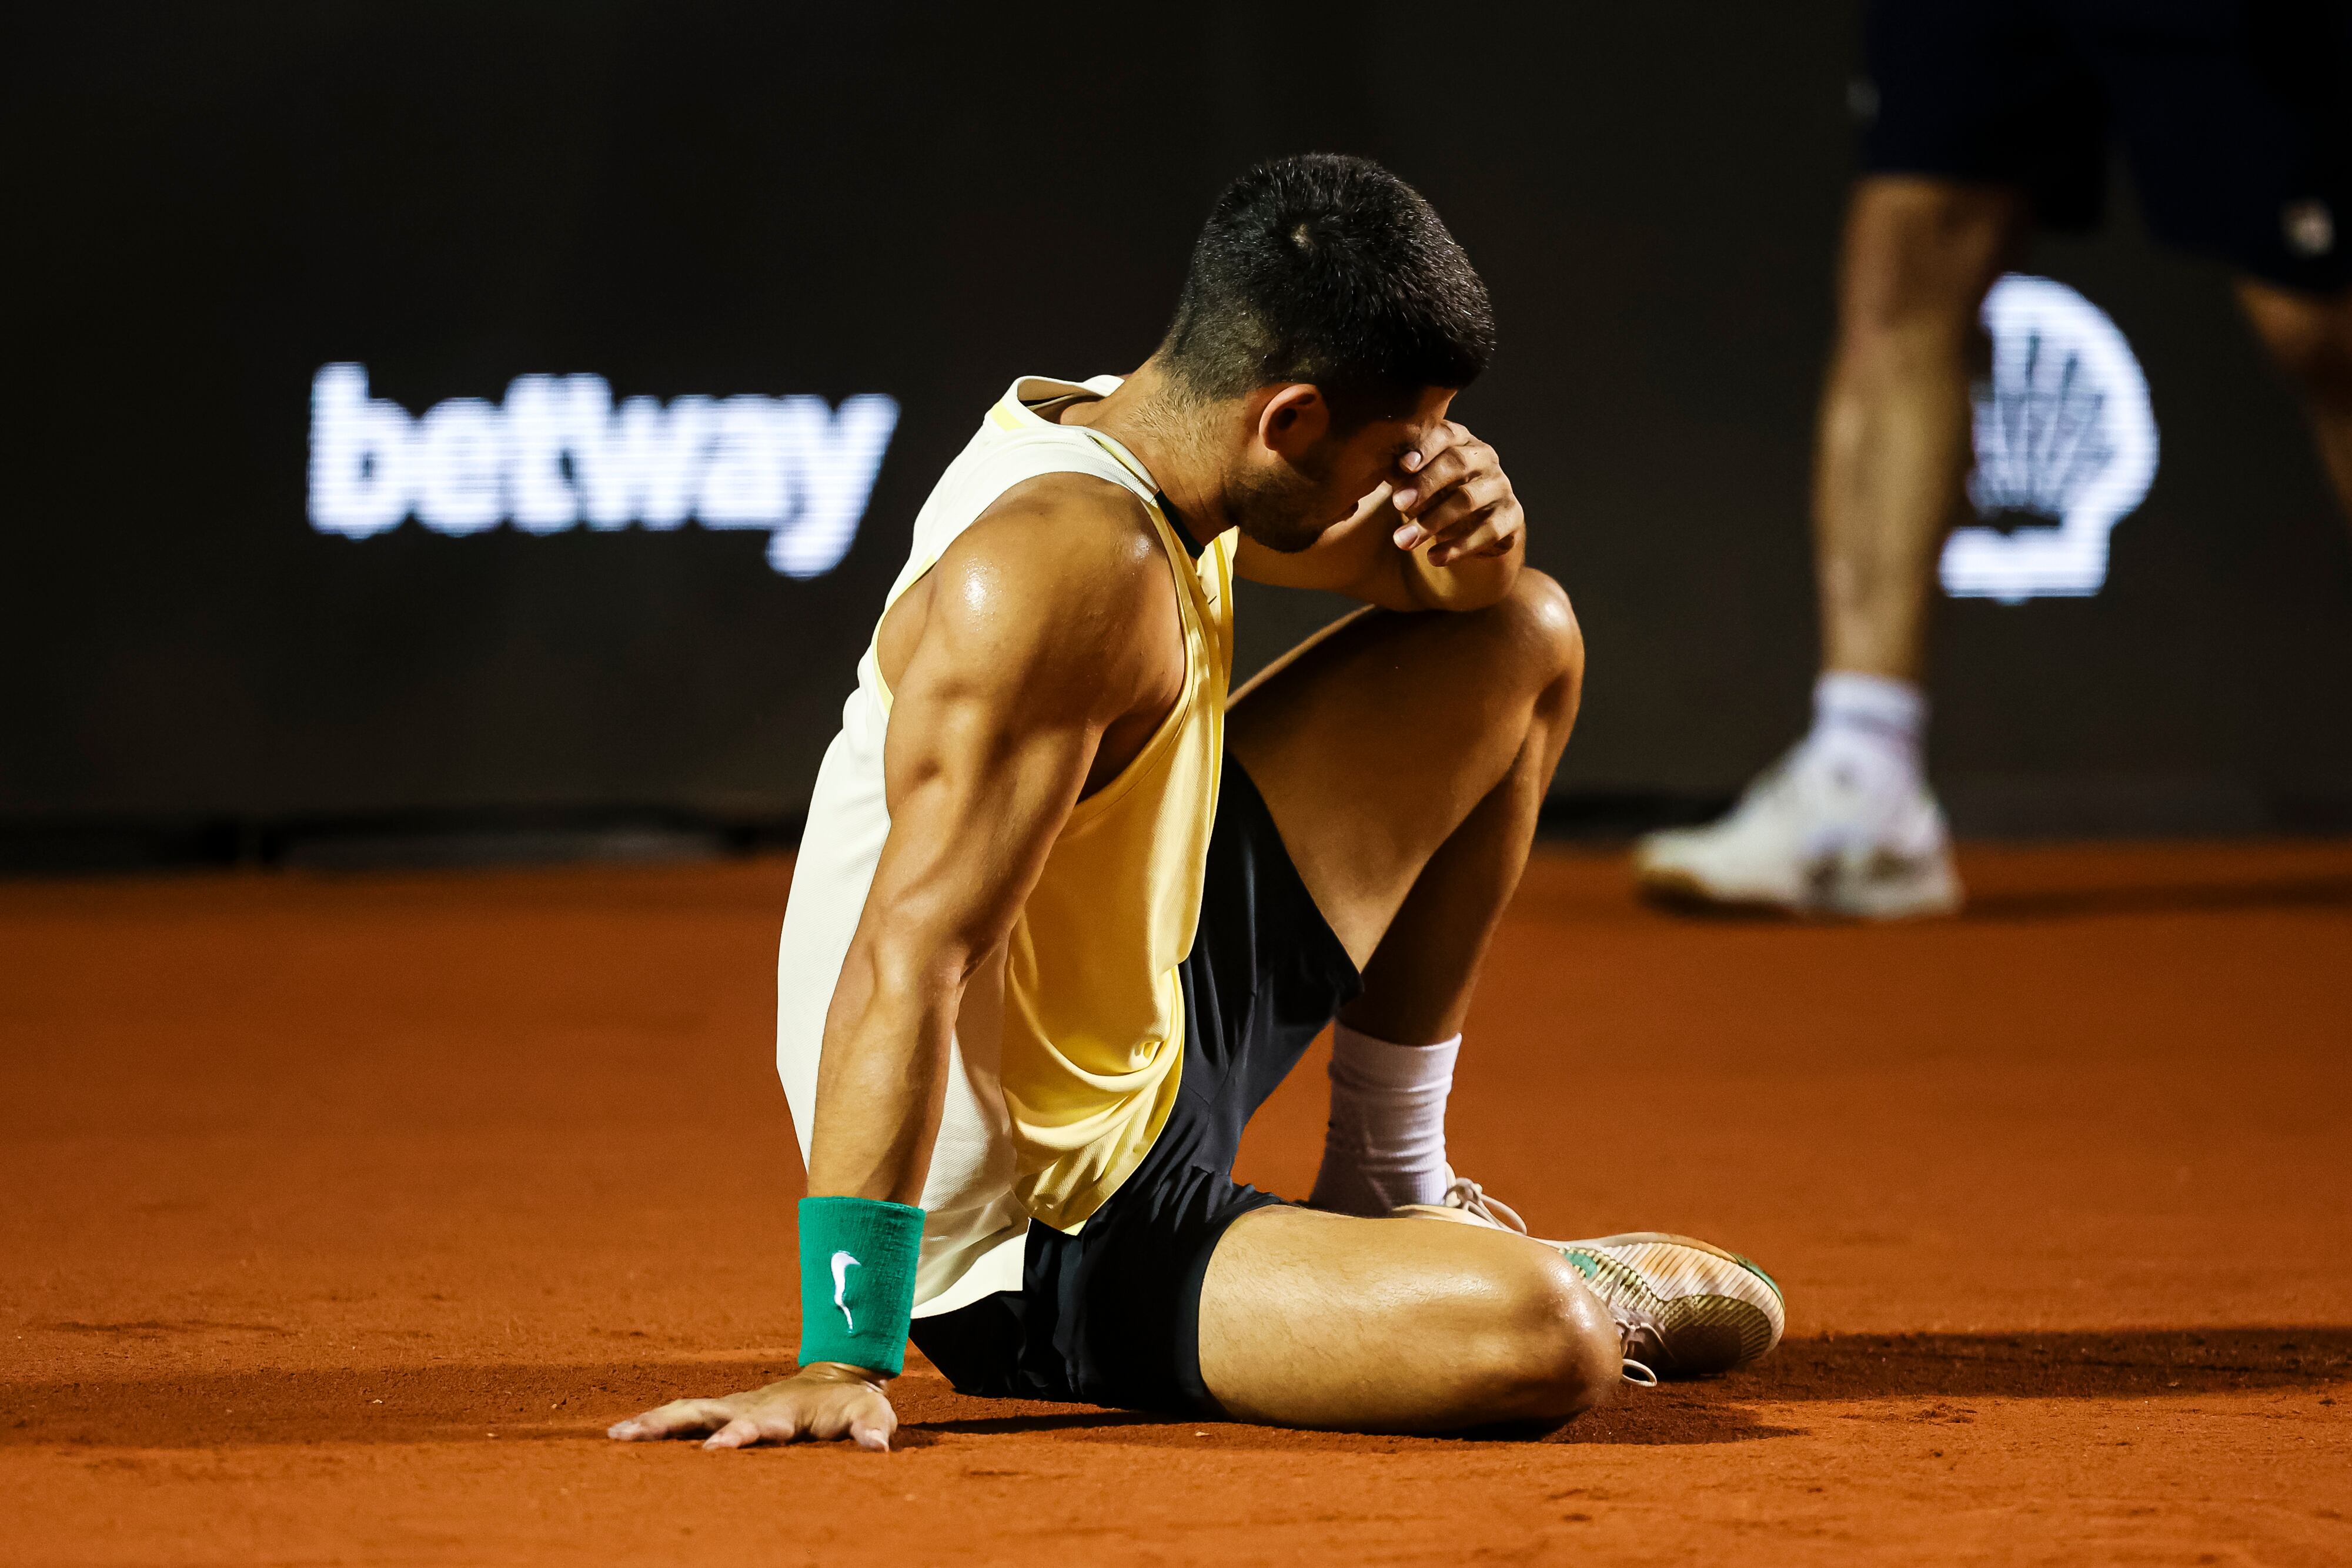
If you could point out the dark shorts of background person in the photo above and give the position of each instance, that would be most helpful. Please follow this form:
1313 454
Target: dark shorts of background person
2234 116
1111 1315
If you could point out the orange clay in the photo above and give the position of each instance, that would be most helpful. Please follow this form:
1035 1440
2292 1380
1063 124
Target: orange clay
343 1215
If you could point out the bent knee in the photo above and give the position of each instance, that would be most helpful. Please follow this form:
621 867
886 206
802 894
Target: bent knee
1563 1356
1544 621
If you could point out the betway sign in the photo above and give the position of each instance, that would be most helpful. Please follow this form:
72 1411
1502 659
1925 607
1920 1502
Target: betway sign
558 453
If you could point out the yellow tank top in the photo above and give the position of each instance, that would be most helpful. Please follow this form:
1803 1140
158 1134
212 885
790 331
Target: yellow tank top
1094 1016
1093 1020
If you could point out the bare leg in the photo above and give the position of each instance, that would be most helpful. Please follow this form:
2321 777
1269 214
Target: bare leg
1317 1320
2310 336
1404 758
1894 439
1846 826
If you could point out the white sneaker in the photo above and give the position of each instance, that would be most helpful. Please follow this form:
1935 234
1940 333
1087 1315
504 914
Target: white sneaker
1809 837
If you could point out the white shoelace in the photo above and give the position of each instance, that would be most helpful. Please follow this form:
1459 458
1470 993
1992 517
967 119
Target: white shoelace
1637 1334
1467 1195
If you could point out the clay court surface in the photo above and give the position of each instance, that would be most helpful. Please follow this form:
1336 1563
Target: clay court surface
343 1215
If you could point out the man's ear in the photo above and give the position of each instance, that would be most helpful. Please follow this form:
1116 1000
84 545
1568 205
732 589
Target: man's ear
1292 419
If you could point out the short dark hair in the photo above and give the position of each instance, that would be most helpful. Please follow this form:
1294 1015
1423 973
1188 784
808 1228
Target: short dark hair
1326 268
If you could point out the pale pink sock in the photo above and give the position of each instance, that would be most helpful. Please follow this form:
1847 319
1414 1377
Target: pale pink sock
1385 1145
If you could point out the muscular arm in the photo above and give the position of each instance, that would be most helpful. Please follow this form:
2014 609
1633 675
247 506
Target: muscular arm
1048 626
1014 676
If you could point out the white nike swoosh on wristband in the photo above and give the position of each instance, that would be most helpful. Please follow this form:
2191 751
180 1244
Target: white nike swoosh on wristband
841 1264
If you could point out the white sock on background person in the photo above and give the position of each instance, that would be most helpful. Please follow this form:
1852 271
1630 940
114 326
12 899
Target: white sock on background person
1385 1143
1871 726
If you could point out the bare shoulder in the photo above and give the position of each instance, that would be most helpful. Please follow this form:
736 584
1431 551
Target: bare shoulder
1060 588
1064 529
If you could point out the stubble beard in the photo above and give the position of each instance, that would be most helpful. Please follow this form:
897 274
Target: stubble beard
1278 511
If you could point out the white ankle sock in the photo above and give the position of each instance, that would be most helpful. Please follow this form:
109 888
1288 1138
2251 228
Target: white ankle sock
1385 1145
1872 725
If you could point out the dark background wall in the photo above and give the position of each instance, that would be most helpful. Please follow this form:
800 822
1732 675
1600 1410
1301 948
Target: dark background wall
925 201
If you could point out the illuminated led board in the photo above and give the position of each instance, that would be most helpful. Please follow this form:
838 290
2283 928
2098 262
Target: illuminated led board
558 454
2063 433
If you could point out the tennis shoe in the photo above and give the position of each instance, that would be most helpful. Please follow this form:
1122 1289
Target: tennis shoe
1682 1307
1814 835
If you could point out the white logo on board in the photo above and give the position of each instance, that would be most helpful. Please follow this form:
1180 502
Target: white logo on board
2064 432
558 453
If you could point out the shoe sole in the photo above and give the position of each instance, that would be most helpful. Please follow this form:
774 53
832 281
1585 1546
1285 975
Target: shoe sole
1913 892
1681 891
1677 890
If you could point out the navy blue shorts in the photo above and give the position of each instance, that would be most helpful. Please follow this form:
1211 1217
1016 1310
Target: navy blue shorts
1111 1315
2233 115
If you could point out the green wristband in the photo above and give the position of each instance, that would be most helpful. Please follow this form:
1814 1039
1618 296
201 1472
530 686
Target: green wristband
857 1281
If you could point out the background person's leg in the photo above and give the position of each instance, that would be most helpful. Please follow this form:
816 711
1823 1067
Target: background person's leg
1319 1320
1892 449
2310 336
1844 824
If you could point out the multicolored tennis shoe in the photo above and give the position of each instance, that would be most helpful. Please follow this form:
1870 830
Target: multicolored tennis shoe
1684 1308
